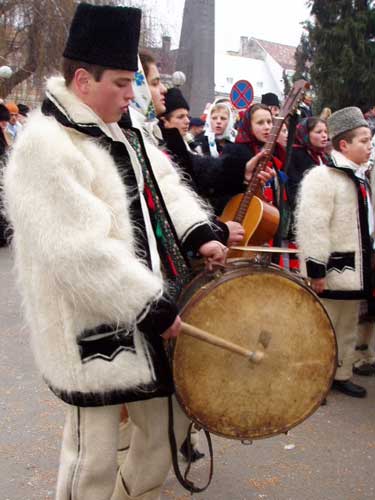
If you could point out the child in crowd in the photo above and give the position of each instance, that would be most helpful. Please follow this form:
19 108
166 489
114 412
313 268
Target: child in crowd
333 226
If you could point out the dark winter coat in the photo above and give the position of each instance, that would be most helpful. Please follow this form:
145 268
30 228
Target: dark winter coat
214 179
202 141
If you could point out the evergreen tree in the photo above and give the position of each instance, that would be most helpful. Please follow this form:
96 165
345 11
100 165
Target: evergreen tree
287 84
342 51
303 57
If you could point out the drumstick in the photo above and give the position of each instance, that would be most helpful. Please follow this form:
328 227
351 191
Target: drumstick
193 331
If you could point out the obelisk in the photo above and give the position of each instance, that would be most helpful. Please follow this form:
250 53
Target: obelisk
196 56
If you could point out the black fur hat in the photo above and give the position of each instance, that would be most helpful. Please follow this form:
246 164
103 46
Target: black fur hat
23 109
105 35
4 113
270 99
175 100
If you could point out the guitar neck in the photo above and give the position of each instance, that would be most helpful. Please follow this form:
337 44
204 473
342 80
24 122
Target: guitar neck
255 183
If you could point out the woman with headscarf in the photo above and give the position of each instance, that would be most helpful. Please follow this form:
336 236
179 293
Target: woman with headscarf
252 134
308 151
219 129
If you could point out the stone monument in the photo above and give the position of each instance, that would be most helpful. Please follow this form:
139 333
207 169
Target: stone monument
196 56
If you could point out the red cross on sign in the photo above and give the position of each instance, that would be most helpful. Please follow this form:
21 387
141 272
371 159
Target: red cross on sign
242 94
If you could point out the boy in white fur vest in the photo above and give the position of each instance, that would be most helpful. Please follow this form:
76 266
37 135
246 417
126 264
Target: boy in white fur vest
334 224
102 224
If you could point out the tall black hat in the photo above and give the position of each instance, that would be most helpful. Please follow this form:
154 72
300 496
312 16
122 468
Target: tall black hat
175 100
270 99
105 35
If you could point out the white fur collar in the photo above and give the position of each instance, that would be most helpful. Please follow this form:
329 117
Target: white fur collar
69 104
342 161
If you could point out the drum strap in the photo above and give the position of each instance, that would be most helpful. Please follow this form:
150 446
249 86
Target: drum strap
183 479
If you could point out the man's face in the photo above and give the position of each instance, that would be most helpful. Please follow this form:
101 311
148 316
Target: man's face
157 89
111 96
13 118
359 149
275 110
179 119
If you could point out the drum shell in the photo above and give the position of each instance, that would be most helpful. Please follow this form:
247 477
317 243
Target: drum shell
230 396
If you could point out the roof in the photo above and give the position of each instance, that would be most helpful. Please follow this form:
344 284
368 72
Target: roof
283 54
230 68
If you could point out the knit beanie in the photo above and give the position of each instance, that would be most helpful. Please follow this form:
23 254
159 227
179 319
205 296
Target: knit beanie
4 113
270 99
105 35
12 107
196 122
344 120
175 100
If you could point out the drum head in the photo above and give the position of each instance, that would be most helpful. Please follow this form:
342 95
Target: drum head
257 309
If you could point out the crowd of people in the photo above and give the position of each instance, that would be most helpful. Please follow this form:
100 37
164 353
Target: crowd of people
130 192
12 118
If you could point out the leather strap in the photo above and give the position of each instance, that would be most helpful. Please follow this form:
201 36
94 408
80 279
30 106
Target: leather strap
183 479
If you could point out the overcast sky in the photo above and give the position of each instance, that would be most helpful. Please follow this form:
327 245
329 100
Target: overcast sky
273 20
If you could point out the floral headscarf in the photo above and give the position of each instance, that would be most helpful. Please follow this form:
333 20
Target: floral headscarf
302 141
142 101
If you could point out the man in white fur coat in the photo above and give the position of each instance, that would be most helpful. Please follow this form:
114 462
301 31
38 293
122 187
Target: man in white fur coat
334 222
102 224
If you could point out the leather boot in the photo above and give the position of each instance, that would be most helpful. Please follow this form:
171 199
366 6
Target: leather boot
349 388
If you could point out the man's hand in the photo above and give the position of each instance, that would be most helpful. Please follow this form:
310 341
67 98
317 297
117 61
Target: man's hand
173 331
265 175
214 252
318 284
236 233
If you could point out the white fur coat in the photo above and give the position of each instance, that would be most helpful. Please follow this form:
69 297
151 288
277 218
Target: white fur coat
332 229
75 247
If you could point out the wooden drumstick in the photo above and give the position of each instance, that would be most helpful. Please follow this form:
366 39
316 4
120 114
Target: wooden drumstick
193 331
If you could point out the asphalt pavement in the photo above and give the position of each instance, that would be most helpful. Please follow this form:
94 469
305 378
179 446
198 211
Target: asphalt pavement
330 456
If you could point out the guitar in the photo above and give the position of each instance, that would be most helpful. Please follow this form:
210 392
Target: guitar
259 218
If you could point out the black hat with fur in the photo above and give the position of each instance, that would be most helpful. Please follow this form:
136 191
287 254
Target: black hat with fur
270 99
105 35
175 100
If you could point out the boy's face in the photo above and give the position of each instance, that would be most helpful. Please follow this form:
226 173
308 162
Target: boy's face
359 149
111 96
157 89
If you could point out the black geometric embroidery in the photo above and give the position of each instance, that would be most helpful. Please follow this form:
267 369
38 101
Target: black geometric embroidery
341 261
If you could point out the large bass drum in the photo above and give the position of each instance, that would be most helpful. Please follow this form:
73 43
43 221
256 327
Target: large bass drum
258 308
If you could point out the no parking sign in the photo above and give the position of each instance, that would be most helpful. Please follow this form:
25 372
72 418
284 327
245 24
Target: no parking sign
242 94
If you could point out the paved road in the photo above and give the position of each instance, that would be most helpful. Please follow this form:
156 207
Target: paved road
328 457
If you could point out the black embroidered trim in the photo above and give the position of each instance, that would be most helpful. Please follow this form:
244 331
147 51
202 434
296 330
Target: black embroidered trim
343 294
341 261
197 235
49 108
115 397
315 268
104 343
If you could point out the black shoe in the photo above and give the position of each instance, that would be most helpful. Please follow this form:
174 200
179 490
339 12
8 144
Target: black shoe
195 454
366 370
349 388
